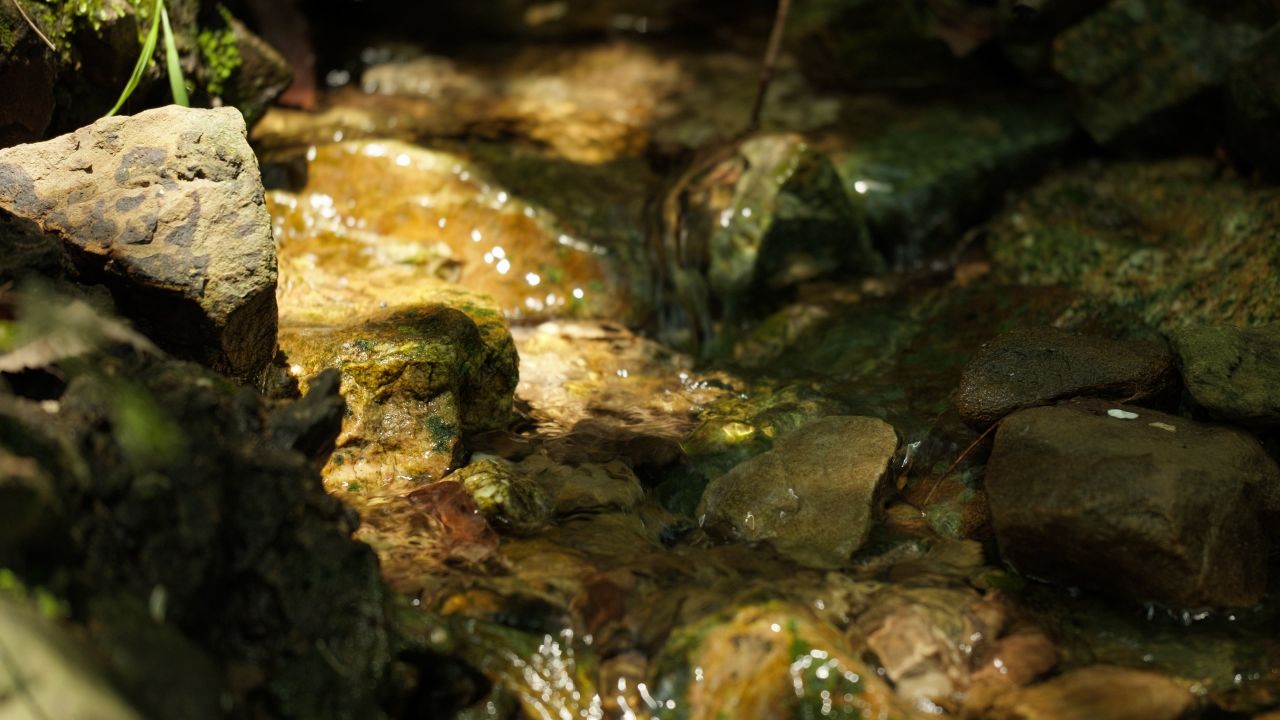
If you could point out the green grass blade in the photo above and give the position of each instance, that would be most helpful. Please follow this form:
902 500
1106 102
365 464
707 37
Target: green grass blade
144 59
176 84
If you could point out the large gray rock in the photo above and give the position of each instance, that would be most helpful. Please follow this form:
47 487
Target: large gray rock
166 209
1233 373
1148 506
813 496
1036 366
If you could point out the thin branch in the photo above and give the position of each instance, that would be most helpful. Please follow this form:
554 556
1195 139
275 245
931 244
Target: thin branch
770 63
32 23
959 460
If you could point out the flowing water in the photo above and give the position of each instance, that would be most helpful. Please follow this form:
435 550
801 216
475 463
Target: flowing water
567 184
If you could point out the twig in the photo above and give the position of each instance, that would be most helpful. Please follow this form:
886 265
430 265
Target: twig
959 460
32 23
770 62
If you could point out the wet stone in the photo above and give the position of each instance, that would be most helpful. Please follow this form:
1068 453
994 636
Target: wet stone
415 379
1100 693
1144 505
508 498
1037 366
813 497
925 175
770 661
1233 373
772 214
166 209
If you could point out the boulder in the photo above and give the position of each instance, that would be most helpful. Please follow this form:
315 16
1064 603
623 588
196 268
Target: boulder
171 488
1234 373
1144 505
166 209
1100 692
1253 107
813 497
925 175
1038 366
1135 60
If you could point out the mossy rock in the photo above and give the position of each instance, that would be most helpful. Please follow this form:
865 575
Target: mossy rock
1174 242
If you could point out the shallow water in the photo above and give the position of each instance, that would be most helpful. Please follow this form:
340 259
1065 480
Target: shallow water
528 180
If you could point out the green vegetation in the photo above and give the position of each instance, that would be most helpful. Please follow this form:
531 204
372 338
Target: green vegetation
220 53
177 85
45 602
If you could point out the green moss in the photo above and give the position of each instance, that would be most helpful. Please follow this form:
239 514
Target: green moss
442 432
220 54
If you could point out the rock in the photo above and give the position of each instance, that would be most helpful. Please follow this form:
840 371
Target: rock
1253 107
166 209
1145 505
926 639
1134 60
587 487
864 44
507 497
769 661
1233 373
1015 660
927 174
813 496
312 424
1026 30
171 491
415 376
1100 692
1173 241
1037 366
733 427
249 72
50 673
750 221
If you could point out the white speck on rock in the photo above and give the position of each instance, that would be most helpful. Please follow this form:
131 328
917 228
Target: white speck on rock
1119 414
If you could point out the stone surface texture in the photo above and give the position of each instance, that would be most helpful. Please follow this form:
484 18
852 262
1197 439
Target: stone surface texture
1036 366
813 497
166 209
1233 373
1144 505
